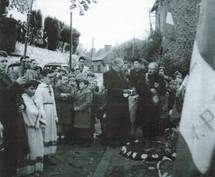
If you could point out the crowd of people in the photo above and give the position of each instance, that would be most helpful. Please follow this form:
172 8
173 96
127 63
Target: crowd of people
144 97
41 108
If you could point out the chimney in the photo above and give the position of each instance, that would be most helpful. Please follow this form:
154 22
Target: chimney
107 48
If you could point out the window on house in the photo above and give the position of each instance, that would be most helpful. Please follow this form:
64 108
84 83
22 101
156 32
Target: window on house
159 21
99 68
198 10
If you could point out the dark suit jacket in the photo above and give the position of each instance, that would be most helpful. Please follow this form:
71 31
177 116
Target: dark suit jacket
115 83
117 105
136 77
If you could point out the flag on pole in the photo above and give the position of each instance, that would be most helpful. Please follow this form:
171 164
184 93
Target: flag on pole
85 5
74 5
80 6
88 1
81 10
196 146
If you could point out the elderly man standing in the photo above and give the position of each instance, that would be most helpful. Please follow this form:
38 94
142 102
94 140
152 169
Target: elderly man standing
149 90
117 121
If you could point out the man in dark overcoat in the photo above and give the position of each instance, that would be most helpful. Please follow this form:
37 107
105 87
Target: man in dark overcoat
149 91
117 123
64 95
14 134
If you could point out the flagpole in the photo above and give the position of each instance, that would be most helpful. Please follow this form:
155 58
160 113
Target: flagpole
150 22
27 35
71 39
28 28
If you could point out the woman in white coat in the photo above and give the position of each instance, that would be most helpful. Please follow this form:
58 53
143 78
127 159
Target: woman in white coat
45 99
34 162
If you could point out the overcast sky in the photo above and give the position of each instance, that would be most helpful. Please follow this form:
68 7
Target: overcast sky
108 21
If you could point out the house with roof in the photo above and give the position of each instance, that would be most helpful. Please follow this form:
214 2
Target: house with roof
165 21
177 21
101 59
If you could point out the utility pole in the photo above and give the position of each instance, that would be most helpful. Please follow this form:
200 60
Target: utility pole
133 46
27 36
92 49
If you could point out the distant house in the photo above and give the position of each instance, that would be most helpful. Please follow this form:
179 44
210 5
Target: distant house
165 20
101 59
177 21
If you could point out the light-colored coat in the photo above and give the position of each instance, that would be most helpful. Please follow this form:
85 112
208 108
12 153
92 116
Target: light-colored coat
31 117
44 97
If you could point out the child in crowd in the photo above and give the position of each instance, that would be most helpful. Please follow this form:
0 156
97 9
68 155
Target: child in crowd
82 107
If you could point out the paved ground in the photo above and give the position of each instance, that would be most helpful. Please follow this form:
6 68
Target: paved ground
75 161
118 166
97 161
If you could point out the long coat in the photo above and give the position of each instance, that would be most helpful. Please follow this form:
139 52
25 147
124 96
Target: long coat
31 115
44 97
118 123
5 82
64 103
148 108
14 134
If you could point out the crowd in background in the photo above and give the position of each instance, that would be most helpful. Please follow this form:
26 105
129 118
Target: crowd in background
41 108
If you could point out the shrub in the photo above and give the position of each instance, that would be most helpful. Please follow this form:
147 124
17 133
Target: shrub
51 30
8 34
